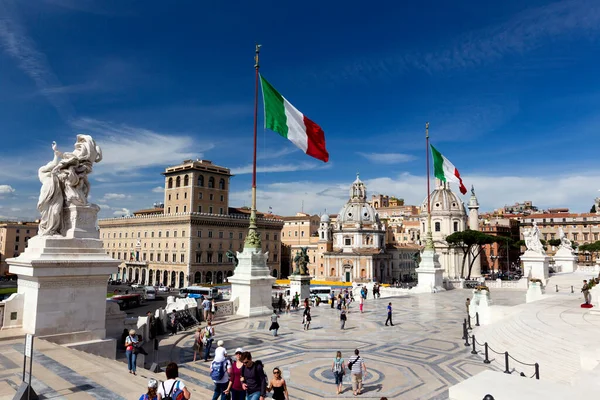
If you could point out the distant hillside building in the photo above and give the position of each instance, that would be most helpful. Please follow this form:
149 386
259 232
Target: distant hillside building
13 240
184 242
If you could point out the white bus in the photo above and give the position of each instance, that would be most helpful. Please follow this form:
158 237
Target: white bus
322 292
194 292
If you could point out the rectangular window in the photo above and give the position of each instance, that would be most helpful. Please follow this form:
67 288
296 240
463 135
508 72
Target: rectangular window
174 233
275 258
210 210
151 256
152 234
182 258
199 234
199 209
220 235
574 236
144 257
210 234
221 210
240 236
348 242
166 234
198 257
17 239
174 258
267 236
211 196
230 235
222 198
158 257
182 233
220 257
296 233
302 233
200 195
275 236
208 257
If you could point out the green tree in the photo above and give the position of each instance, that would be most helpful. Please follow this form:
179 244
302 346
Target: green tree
554 242
470 242
593 209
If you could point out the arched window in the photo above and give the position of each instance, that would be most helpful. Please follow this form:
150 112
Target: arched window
137 275
173 279
274 273
186 180
150 276
143 277
455 226
211 182
222 184
165 278
201 180
363 273
170 184
219 277
438 227
208 277
158 277
181 280
332 272
178 181
198 277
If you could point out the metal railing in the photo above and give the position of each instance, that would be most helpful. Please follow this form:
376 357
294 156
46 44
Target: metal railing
487 349
565 288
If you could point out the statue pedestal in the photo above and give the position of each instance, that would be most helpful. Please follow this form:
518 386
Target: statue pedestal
535 265
481 304
63 279
430 274
565 260
534 292
300 284
252 284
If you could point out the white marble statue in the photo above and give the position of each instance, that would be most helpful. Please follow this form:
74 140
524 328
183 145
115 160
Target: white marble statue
565 243
64 183
532 239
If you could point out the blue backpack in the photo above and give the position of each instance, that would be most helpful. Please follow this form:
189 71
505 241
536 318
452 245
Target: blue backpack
175 393
217 370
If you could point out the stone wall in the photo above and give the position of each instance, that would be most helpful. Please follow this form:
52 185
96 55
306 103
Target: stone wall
13 311
500 284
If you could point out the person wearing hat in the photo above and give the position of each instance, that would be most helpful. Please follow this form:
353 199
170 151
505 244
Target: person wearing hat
220 365
151 394
235 384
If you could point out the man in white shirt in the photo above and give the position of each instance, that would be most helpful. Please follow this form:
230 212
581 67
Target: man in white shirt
206 304
357 366
172 384
220 364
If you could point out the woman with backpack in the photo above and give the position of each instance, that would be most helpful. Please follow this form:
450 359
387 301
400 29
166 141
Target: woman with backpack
208 338
151 394
173 388
278 386
131 342
338 370
198 344
306 318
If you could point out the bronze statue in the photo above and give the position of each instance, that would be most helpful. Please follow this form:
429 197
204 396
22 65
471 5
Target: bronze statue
301 260
231 255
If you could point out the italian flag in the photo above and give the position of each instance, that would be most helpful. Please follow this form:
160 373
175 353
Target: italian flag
445 171
285 119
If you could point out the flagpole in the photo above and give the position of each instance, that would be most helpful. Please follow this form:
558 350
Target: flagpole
429 237
253 239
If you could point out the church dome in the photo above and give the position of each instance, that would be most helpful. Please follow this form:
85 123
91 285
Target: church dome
357 210
444 200
325 218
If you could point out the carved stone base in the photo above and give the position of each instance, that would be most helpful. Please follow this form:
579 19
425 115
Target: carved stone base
430 273
251 284
80 221
300 284
535 265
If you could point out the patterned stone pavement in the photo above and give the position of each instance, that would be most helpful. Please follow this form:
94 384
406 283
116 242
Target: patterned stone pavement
418 358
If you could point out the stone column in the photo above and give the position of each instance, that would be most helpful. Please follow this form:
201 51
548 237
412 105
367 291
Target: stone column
300 284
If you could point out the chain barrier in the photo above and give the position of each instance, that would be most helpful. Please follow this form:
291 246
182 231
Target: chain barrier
571 288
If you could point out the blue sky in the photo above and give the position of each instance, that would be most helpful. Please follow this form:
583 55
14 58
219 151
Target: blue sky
511 91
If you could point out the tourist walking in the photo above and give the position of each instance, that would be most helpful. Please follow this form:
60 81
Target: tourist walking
198 344
339 301
152 388
306 318
389 317
131 344
274 324
174 323
173 388
235 385
331 298
343 318
213 309
586 292
208 337
468 304
220 369
361 302
278 386
253 378
339 371
280 301
206 304
357 366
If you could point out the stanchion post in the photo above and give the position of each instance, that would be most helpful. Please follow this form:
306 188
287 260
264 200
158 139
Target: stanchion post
464 329
474 351
477 319
537 371
466 336
507 370
557 288
469 322
487 359
572 289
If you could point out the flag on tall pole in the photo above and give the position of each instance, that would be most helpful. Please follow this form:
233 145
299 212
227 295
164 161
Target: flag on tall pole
445 171
282 117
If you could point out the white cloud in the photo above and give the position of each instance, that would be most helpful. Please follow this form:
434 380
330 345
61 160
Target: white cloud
158 189
388 158
303 166
575 191
126 148
122 211
116 196
6 189
266 154
15 209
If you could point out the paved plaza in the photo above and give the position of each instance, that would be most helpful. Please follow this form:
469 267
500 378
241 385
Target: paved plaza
418 358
